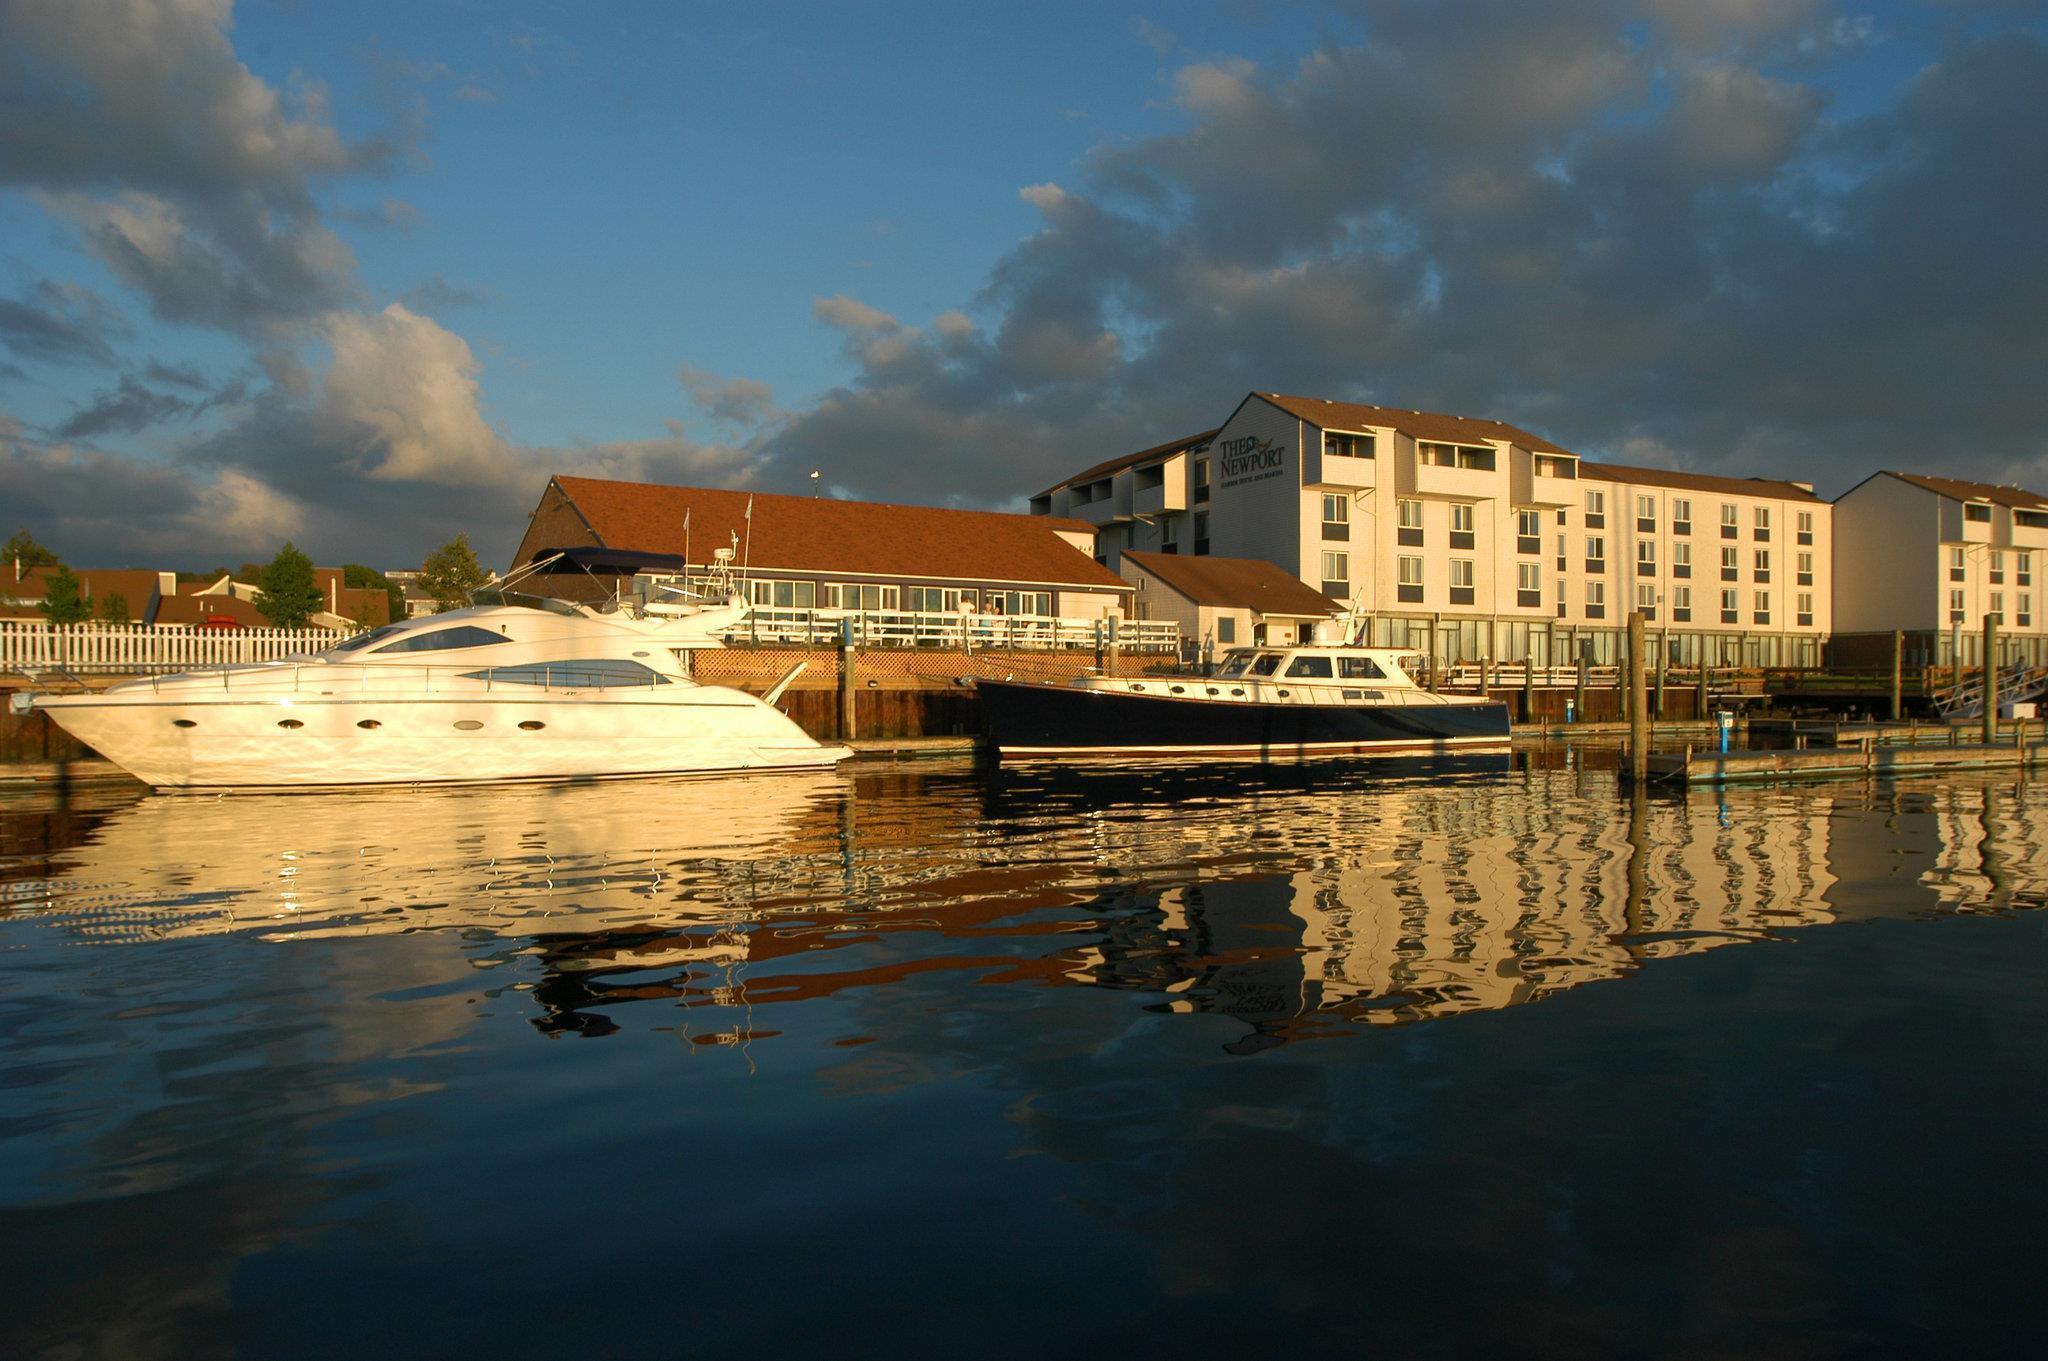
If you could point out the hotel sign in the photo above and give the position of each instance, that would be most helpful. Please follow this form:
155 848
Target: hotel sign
1249 459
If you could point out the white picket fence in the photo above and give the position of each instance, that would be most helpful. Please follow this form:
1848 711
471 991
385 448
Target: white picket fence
140 648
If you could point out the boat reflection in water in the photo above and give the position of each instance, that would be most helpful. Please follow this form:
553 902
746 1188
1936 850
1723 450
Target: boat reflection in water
1302 901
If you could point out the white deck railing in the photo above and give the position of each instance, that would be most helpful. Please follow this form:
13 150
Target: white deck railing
141 648
910 628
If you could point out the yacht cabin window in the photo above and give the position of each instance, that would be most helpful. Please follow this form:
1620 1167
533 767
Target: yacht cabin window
443 640
1267 664
1234 664
578 674
1310 668
1359 668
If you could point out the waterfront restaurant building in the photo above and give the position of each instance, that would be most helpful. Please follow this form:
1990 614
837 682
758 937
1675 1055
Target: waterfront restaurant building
1932 556
805 553
1221 603
1474 540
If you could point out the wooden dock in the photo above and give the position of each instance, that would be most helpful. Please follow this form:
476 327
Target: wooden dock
1839 762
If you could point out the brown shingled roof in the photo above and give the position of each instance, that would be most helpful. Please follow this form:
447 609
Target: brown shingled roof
1236 583
864 538
1123 461
2018 498
1422 425
1666 477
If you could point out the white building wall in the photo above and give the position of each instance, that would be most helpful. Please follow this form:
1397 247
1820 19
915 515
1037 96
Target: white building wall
1887 558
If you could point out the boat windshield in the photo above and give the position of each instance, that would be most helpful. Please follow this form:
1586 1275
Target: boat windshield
1234 663
1267 664
370 639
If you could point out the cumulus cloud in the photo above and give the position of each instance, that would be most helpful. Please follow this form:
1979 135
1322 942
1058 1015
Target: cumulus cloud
738 401
411 385
1619 222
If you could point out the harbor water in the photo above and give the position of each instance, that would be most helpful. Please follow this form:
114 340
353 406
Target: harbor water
934 1060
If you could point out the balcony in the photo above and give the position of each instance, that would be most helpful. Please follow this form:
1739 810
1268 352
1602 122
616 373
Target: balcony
1338 470
1170 495
1466 484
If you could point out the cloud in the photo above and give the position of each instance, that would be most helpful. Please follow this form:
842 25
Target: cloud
740 401
411 384
127 408
213 217
61 324
1635 233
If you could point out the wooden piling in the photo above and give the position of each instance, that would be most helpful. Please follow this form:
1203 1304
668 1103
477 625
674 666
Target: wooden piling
846 690
1579 691
1529 678
1990 679
1638 701
1898 674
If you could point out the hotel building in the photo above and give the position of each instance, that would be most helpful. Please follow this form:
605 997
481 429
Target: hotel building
1475 540
1932 556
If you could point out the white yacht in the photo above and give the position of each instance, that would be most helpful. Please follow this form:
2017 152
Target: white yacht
516 687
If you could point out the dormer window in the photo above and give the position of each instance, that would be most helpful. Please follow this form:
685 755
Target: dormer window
1346 445
1550 465
1977 511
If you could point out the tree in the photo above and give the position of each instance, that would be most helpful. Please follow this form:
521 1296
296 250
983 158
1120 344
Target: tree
450 573
113 608
367 578
289 594
24 549
61 602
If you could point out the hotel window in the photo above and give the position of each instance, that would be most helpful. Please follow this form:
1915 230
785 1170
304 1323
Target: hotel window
1226 629
1681 560
1549 465
1806 609
1805 569
1681 604
1528 584
1955 607
1805 526
1977 513
1763 522
1596 600
1596 510
1998 606
1201 531
1337 575
1336 516
1646 601
1019 602
1408 523
1957 564
1562 561
1461 525
1347 446
2025 617
1731 522
851 597
1461 581
1169 534
1201 479
1997 569
1646 557
1646 515
1729 567
1528 532
2023 568
1456 456
1763 564
1729 613
1762 614
785 595
1596 553
1408 589
1681 517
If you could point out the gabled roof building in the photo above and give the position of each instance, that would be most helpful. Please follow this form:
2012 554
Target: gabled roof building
818 553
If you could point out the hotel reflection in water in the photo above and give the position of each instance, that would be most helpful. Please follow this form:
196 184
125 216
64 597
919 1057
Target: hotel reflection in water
1320 902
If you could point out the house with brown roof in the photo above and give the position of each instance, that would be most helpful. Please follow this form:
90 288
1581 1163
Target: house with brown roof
1224 602
806 553
23 590
1471 538
1932 556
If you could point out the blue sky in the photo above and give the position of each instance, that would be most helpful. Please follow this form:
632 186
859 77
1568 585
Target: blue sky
364 275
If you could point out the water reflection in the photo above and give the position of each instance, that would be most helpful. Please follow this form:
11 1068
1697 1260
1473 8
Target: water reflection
1303 903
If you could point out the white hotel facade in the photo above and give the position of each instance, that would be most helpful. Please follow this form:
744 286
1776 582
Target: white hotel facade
1475 540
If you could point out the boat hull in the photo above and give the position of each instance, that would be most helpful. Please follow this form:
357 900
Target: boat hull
322 742
1028 721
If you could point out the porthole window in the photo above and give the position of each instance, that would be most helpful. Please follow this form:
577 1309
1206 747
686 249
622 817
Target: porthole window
1180 689
1137 687
289 723
183 723
1214 691
531 725
468 724
1235 691
368 723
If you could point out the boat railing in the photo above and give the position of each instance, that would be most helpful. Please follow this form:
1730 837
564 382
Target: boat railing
773 626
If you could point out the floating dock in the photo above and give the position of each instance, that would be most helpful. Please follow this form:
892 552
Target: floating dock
1847 761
